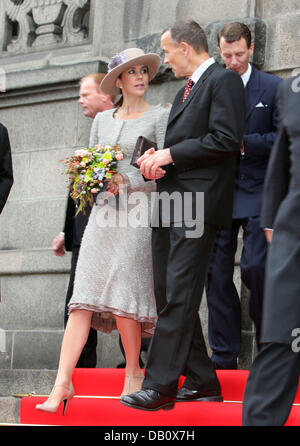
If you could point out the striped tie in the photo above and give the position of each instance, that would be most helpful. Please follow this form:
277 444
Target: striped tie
187 89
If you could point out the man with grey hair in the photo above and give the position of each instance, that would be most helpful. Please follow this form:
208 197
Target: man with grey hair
203 138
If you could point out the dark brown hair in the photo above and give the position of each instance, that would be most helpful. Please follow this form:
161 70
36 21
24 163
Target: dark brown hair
235 31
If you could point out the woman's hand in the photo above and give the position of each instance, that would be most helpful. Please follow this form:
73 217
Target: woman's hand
113 185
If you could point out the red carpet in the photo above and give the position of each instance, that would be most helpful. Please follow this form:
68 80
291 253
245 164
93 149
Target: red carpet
97 411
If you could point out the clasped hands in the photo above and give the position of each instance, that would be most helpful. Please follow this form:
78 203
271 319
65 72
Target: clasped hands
152 161
150 166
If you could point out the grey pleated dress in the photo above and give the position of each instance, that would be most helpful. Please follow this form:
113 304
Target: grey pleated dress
114 269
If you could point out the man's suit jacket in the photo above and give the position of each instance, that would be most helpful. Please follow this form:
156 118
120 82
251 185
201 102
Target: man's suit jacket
74 226
262 120
204 135
281 211
6 171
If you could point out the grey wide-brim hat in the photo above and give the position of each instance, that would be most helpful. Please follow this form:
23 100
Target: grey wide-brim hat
127 58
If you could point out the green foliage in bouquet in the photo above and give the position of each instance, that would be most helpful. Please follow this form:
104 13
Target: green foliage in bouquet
88 169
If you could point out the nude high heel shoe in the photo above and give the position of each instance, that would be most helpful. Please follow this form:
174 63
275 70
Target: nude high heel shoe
53 407
132 384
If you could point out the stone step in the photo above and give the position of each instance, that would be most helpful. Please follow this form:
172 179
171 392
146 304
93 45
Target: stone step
15 383
9 410
25 381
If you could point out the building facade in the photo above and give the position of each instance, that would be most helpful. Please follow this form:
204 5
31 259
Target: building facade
46 46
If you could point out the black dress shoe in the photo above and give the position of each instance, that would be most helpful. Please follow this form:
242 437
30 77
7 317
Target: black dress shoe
148 399
185 394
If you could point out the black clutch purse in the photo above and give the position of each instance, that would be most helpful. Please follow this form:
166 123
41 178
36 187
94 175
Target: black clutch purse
142 145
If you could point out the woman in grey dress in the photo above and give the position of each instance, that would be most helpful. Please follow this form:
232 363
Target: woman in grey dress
113 284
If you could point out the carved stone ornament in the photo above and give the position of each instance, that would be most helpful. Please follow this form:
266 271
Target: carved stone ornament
17 2
36 24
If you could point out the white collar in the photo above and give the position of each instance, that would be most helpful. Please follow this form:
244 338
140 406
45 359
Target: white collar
201 69
246 76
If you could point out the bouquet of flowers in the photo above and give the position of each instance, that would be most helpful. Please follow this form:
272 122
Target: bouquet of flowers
88 169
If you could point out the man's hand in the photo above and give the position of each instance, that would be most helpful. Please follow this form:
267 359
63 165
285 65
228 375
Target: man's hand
58 245
150 163
269 235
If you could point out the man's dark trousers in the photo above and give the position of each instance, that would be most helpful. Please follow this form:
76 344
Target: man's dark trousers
178 260
224 316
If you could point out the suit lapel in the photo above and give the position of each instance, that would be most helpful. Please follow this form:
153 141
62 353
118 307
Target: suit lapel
253 91
178 105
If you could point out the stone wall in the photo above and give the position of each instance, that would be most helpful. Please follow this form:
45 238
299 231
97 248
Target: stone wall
45 47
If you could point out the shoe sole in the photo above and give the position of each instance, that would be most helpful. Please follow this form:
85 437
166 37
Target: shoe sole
165 406
216 399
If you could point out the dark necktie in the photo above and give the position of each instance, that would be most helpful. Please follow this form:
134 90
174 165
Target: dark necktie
187 89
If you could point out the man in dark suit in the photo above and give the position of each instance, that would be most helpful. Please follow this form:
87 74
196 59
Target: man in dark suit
6 171
224 310
92 101
203 137
274 375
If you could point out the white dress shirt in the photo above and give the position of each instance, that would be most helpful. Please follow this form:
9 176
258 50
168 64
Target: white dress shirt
246 76
201 69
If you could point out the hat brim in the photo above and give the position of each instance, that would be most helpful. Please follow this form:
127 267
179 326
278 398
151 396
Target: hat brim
151 60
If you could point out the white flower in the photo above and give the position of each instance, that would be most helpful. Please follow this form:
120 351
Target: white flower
81 152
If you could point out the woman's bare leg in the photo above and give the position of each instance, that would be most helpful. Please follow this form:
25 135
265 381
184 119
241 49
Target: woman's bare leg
130 332
75 337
